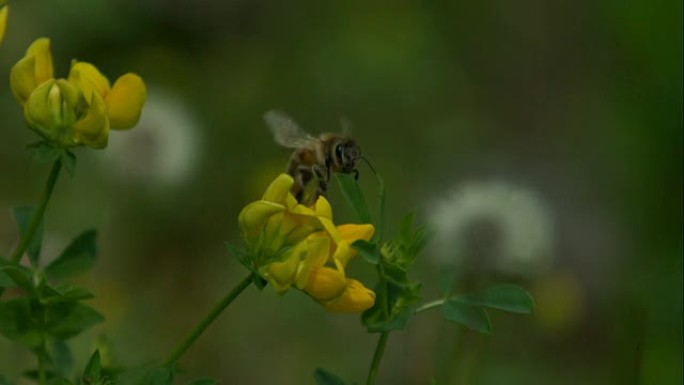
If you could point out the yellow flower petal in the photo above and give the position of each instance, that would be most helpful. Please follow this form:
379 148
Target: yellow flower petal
40 50
343 253
354 299
253 217
125 101
88 79
93 128
32 70
4 10
281 274
329 226
52 109
323 208
318 247
325 283
23 79
352 232
278 189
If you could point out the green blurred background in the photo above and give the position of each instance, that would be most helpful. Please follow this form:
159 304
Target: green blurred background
577 105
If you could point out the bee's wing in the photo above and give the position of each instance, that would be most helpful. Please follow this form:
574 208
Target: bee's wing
285 131
346 125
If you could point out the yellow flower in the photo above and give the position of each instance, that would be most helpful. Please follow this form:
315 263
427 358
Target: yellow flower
32 70
291 244
81 109
275 223
4 9
321 272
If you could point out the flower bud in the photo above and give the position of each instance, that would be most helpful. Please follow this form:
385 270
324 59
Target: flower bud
354 299
52 109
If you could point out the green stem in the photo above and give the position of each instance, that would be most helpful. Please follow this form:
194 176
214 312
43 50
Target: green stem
379 351
429 305
41 366
42 353
38 214
199 329
380 348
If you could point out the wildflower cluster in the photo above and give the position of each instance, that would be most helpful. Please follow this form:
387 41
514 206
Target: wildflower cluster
290 244
76 111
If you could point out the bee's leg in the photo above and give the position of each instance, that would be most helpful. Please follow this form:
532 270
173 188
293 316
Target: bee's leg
322 175
355 172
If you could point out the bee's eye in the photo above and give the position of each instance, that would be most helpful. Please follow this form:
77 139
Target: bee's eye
338 151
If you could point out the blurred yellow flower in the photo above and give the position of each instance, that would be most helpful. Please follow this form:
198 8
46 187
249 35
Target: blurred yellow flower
4 9
78 110
291 244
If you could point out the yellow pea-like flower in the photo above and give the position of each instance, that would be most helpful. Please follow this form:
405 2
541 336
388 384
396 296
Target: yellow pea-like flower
4 10
92 129
52 109
290 244
83 123
125 101
276 221
354 299
88 79
32 70
325 283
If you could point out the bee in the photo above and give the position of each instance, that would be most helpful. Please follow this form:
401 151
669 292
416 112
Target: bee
314 159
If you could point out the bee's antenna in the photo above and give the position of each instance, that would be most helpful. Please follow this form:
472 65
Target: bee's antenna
369 164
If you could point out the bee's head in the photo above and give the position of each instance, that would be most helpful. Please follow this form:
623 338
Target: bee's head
347 152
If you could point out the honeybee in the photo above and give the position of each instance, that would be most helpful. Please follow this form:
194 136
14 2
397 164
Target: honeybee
314 159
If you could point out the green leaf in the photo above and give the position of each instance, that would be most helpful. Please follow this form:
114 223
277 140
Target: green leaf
406 225
398 321
5 281
369 251
62 359
19 321
204 381
241 255
69 161
23 214
21 276
3 380
77 257
44 152
381 209
472 317
93 370
510 298
66 293
66 320
400 299
325 377
354 196
395 273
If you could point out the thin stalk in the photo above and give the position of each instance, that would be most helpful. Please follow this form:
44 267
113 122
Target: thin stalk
41 366
429 305
38 214
380 347
213 314
377 357
42 354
